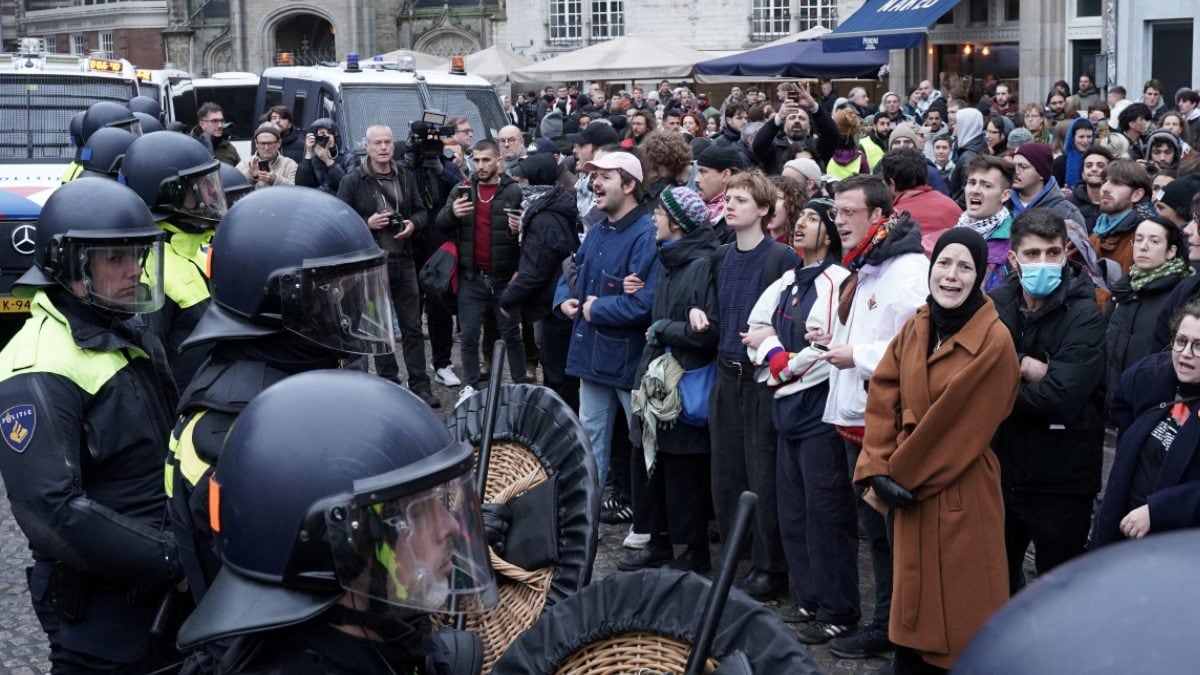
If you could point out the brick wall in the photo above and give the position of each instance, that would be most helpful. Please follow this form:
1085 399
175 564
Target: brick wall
142 46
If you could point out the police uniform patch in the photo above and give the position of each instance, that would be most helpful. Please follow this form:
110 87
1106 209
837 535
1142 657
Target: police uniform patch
17 425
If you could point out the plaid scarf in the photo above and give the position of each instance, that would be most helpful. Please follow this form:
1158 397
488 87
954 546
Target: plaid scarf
715 208
1175 267
986 226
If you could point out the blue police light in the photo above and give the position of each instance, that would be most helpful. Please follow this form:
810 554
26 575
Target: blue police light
352 63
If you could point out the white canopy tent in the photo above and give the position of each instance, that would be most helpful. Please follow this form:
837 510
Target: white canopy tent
495 64
625 58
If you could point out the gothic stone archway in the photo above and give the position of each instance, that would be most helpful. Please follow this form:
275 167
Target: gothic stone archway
307 37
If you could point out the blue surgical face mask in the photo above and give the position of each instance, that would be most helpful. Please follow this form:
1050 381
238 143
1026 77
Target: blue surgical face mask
1040 279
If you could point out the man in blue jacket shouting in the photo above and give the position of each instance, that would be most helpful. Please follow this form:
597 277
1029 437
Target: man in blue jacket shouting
609 325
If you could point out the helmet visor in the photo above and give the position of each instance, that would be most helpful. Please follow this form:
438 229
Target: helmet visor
343 306
424 551
199 193
125 276
132 125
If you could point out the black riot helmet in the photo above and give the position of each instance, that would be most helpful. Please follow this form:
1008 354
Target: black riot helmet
109 114
235 184
334 482
295 259
149 123
175 174
146 105
1125 608
103 152
97 239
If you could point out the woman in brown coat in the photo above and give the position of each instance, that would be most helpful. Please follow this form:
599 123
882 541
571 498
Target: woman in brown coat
945 384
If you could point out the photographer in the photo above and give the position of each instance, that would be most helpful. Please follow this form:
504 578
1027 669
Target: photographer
323 166
266 167
384 192
436 175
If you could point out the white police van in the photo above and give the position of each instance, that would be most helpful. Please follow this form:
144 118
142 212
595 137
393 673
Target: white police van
235 92
356 95
39 94
164 85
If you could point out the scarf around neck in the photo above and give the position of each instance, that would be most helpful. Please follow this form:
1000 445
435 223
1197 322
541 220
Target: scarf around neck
1106 223
1175 267
986 226
856 257
715 208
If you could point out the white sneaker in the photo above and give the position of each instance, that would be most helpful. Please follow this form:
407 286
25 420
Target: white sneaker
635 540
445 376
464 394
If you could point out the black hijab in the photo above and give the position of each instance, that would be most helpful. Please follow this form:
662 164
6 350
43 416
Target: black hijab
947 322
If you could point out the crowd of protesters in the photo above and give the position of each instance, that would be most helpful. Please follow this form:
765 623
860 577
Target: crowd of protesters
912 320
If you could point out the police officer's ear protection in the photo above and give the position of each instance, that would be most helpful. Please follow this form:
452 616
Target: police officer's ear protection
53 257
170 192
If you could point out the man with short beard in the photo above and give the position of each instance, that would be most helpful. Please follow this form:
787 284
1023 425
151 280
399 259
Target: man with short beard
1087 93
640 124
488 256
793 126
1004 106
610 325
1086 195
935 121
1125 184
928 96
875 143
595 136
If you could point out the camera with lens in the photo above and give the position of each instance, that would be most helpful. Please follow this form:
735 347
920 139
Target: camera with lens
425 140
322 139
1152 167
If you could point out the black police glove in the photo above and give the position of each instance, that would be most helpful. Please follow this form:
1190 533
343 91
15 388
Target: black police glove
496 520
895 495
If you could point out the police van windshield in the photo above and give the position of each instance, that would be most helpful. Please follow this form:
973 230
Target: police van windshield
37 111
236 101
397 107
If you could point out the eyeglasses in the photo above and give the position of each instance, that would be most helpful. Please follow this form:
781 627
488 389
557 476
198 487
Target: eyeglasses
845 213
1181 343
215 120
509 141
266 144
465 131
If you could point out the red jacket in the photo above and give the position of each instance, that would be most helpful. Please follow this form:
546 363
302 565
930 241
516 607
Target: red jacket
933 210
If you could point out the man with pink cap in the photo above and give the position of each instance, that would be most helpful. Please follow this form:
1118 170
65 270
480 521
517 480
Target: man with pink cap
609 328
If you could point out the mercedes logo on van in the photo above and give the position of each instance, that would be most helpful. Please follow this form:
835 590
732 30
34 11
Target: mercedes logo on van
23 239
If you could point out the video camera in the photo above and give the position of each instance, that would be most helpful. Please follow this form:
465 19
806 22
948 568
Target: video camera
425 139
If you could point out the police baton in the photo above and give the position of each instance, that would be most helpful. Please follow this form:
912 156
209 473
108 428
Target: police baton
163 613
719 593
490 408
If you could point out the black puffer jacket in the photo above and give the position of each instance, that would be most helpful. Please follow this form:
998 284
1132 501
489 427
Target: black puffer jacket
506 251
550 235
1133 317
1053 440
1089 211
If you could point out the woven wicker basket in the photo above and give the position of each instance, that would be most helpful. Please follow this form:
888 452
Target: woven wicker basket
630 654
512 470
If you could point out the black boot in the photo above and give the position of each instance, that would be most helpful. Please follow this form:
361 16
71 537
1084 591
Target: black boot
656 554
695 559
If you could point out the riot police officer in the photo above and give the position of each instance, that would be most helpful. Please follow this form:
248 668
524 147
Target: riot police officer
262 327
102 153
177 177
85 408
345 514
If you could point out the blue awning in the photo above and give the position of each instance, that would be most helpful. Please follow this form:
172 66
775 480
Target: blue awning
886 24
792 60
